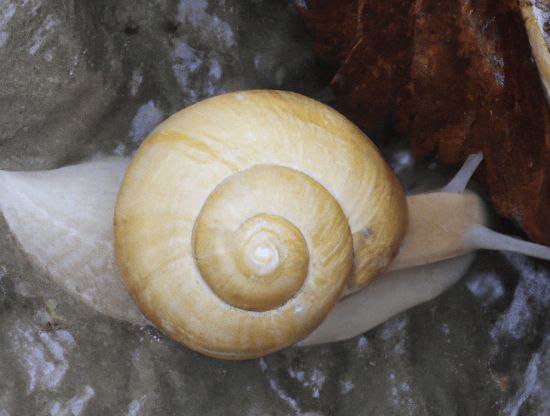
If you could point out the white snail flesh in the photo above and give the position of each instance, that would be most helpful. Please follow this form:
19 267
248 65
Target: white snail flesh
62 219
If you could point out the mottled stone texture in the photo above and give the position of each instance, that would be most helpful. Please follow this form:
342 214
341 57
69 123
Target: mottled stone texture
456 77
89 78
82 77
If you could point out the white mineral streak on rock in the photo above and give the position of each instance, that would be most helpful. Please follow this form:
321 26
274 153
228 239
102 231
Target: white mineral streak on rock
133 409
143 380
314 380
186 61
298 375
532 294
63 220
7 10
393 327
536 384
194 12
42 34
394 330
41 354
289 400
346 386
402 160
362 346
486 286
120 150
215 69
74 406
400 395
137 78
3 38
394 334
146 119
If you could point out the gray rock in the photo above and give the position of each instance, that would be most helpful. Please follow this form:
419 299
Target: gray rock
89 78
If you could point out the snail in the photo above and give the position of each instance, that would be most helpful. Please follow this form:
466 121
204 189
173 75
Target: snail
249 222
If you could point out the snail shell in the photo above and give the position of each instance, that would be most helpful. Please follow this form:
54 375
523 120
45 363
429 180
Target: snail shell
242 218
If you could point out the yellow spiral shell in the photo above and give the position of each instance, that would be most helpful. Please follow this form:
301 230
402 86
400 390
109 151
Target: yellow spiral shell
241 219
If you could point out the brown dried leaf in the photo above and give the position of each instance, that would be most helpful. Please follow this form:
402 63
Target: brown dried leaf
458 78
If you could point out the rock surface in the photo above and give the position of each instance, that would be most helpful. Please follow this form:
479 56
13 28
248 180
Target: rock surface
87 79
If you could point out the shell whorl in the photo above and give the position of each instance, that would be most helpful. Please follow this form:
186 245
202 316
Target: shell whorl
257 246
239 218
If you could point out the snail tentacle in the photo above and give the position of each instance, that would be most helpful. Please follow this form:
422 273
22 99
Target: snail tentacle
452 222
463 176
480 237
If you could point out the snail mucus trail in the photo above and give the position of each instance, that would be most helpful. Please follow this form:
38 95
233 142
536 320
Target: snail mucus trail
239 228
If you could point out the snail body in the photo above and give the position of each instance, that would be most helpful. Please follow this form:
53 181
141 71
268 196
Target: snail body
246 223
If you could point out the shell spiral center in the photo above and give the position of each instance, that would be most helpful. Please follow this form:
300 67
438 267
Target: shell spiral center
252 258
